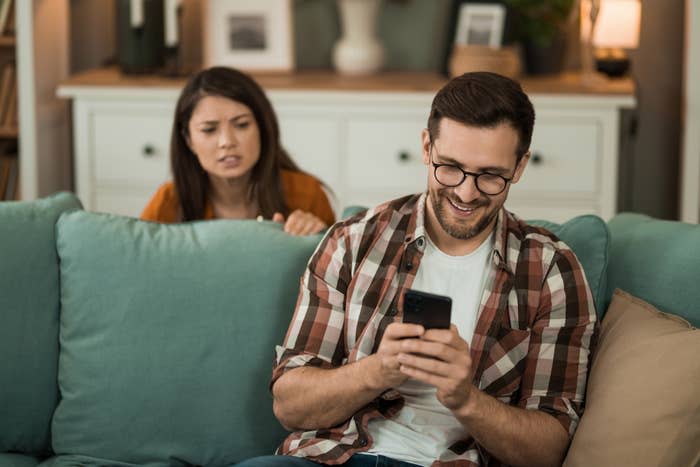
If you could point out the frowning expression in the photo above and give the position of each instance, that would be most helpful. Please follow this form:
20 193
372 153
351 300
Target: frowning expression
224 136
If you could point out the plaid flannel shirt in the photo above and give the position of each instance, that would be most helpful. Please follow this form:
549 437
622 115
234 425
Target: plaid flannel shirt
531 345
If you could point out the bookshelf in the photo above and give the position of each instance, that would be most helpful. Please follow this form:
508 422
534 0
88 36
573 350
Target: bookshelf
42 58
9 132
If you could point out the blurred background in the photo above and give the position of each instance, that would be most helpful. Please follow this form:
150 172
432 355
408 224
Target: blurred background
72 37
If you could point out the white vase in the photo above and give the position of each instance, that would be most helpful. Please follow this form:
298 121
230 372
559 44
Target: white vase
358 51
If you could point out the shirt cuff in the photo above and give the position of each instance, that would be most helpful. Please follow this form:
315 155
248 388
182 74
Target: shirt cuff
289 359
563 410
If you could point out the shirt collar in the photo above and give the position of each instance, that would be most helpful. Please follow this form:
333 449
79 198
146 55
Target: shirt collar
416 233
500 244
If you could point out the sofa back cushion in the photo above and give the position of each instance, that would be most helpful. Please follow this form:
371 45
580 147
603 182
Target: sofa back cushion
589 239
29 306
657 261
167 337
17 460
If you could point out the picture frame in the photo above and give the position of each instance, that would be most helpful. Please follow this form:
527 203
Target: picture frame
480 24
250 36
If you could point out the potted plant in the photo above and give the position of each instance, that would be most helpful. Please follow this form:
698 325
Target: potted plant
541 27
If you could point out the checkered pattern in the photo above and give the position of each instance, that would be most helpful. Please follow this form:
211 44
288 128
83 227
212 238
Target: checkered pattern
532 341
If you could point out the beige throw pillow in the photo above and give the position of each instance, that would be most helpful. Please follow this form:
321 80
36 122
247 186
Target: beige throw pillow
643 397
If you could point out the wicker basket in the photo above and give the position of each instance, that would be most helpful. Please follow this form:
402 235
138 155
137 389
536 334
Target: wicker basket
466 58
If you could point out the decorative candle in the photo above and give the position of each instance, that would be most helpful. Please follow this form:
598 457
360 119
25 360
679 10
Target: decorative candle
171 32
136 9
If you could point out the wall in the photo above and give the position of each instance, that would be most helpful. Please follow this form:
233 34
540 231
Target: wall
93 33
690 164
650 175
412 32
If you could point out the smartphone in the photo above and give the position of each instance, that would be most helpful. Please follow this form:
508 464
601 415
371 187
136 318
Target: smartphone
427 309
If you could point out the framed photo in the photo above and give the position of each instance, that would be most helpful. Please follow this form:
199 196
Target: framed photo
480 24
251 36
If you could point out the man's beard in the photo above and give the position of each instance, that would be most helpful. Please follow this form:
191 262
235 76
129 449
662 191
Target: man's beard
456 229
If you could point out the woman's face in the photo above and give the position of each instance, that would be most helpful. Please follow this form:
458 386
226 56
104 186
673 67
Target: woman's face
225 137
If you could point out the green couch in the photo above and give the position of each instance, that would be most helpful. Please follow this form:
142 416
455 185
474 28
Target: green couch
132 343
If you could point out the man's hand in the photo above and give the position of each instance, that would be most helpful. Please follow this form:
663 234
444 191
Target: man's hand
300 223
387 372
309 398
441 359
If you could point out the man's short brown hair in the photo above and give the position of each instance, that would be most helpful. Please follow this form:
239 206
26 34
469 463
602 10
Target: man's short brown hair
484 100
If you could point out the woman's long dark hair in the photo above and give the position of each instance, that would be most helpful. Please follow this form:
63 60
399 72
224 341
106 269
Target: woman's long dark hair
191 181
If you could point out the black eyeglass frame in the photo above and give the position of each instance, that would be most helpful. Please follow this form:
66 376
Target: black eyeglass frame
465 173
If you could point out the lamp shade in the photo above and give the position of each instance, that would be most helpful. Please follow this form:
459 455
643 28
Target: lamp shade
617 24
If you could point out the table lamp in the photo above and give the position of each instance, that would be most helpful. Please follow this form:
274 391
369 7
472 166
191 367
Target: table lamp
616 29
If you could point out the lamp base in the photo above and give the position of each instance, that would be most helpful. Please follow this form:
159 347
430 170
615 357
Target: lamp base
613 62
613 67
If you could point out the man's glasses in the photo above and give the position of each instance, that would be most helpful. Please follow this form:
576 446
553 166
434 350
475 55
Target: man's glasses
451 176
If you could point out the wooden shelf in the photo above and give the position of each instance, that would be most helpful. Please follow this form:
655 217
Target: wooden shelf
328 80
9 132
7 41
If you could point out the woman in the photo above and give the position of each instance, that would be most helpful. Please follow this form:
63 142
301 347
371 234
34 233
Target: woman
227 161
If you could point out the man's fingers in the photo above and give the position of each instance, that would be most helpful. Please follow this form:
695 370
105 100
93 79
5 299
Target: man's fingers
403 330
428 365
429 349
423 376
278 217
449 337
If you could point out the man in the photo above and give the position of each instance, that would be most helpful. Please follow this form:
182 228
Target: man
505 384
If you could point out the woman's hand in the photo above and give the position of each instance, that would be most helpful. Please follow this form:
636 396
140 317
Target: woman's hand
300 223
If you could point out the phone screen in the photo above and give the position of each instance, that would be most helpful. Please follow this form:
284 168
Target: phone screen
430 310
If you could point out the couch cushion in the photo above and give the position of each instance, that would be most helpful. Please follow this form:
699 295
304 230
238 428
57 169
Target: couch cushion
589 238
642 405
29 305
167 337
657 261
87 461
17 460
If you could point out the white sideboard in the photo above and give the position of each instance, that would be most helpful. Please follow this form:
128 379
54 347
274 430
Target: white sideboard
361 138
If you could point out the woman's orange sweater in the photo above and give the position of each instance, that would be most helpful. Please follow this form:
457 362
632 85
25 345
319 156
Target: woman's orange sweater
301 191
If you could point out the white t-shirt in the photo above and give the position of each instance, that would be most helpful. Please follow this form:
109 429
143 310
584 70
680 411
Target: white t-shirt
424 428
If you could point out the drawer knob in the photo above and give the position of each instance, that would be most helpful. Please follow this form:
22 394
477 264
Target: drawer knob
404 156
148 150
536 158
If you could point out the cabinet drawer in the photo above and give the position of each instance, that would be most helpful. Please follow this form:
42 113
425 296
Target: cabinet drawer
565 158
313 142
131 145
385 156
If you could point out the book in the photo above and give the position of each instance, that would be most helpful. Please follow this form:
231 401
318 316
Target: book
5 7
10 26
12 179
7 78
4 175
10 111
